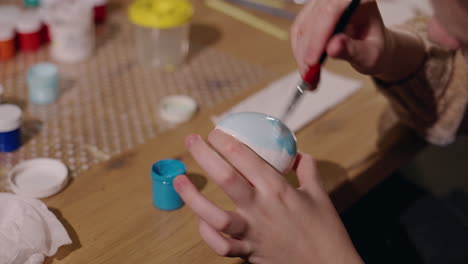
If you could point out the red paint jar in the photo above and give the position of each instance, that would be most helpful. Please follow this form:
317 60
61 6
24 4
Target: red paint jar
45 33
7 42
100 11
29 28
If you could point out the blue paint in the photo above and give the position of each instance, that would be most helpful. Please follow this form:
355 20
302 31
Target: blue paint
10 140
262 130
285 139
163 174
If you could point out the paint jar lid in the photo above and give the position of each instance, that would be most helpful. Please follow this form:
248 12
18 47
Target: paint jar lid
76 13
98 2
177 109
30 22
161 14
38 178
7 32
9 14
166 170
10 117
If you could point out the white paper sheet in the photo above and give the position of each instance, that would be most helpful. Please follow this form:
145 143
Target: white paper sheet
274 99
396 12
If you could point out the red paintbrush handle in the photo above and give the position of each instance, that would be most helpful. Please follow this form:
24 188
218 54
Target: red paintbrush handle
312 76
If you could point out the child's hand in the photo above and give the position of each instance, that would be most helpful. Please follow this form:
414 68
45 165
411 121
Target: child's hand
365 43
273 222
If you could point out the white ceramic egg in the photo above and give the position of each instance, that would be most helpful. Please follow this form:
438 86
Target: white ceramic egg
265 135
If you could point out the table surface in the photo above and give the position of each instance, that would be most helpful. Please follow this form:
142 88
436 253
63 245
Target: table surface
108 211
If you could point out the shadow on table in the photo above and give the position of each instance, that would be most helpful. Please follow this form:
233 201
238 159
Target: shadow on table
198 180
329 171
66 85
16 101
201 36
31 128
106 33
64 251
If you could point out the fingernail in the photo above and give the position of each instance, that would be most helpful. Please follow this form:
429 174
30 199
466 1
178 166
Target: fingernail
178 183
189 140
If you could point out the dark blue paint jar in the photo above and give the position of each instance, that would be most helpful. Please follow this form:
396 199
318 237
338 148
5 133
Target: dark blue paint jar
10 127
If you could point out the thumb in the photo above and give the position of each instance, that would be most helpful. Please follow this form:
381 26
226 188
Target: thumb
363 55
343 47
307 174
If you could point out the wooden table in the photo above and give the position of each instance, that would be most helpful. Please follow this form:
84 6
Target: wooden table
108 210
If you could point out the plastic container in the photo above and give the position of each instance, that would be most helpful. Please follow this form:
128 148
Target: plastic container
10 126
71 27
29 27
163 174
7 42
42 79
38 178
31 3
176 109
162 31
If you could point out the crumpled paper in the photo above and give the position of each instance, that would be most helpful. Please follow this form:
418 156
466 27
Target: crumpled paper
28 230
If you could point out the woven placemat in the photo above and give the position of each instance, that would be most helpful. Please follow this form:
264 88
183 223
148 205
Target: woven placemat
109 104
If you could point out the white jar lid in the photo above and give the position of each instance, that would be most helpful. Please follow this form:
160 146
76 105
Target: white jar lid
7 32
98 2
38 178
9 14
177 108
10 117
29 22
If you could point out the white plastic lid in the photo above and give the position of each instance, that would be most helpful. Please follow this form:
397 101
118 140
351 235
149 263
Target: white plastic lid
98 2
7 32
10 117
29 22
38 178
77 12
9 14
177 108
46 3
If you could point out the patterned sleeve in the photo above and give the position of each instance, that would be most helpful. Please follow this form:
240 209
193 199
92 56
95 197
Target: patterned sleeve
433 100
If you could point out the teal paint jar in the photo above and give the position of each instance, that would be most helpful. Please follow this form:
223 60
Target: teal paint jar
42 79
31 3
163 174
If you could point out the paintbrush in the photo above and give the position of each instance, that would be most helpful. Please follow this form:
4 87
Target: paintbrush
311 78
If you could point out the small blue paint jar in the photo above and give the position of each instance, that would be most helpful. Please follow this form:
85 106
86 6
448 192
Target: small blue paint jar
31 3
42 81
10 126
163 174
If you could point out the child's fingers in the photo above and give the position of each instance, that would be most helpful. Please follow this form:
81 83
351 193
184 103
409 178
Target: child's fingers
223 246
227 222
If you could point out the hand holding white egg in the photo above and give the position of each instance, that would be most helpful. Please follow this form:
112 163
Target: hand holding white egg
269 214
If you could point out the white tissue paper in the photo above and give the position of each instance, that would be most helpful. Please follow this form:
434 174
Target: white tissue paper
28 230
